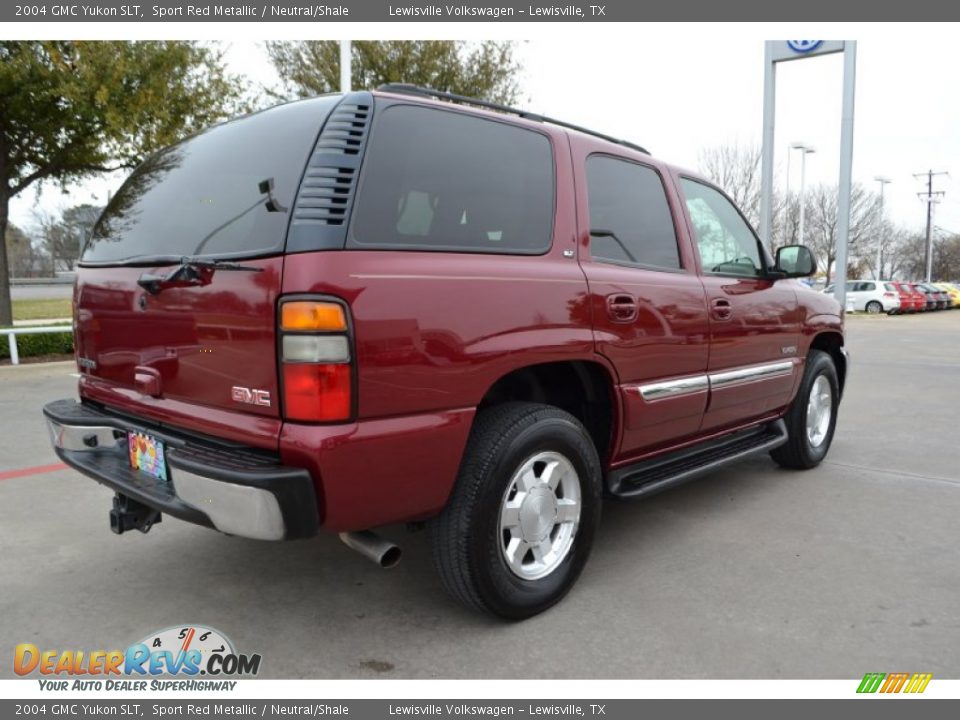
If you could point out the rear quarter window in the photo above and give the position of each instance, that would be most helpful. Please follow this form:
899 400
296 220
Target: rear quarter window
447 181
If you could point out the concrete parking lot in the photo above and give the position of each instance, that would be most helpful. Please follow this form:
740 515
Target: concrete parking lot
753 572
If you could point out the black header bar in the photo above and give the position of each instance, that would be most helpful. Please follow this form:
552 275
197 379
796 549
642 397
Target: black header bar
496 11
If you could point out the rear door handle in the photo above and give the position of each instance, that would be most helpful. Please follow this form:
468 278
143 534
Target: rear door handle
721 309
622 308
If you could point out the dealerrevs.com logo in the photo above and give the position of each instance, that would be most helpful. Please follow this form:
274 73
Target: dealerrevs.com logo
182 651
887 683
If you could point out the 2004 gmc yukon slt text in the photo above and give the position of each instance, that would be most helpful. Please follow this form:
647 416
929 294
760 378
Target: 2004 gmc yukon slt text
378 308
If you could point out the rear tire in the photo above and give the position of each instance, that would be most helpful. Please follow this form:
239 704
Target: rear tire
506 542
809 430
873 307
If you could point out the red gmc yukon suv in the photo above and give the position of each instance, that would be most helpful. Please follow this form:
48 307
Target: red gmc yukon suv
406 306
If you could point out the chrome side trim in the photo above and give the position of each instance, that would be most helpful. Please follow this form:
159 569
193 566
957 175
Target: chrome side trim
673 388
663 389
751 374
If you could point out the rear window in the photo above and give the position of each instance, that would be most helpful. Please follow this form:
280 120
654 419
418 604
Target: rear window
223 192
891 286
439 180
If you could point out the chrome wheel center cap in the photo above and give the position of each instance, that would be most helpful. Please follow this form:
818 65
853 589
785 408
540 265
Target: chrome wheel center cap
538 514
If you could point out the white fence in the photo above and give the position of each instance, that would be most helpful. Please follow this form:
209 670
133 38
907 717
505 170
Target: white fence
12 333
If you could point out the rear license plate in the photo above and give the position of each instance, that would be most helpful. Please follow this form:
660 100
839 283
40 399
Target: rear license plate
146 455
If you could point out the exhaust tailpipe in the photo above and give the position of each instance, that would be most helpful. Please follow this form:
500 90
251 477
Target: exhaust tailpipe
373 547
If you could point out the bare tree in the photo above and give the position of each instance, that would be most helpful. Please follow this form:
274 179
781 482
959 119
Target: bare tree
787 227
903 254
735 168
63 237
946 258
25 258
820 224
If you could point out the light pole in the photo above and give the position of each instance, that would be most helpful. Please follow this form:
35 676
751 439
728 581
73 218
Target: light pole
786 201
884 181
804 151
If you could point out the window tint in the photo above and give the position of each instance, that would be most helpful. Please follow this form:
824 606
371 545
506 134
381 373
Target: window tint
727 244
209 194
628 201
438 180
891 286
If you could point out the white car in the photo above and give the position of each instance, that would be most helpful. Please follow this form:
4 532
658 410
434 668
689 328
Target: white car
871 296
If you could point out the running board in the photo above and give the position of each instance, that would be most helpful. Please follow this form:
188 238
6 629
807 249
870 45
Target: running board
651 476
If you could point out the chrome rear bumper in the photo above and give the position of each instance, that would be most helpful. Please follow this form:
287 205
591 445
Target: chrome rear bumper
236 490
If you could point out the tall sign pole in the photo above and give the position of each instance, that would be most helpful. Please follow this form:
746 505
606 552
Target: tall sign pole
766 160
345 66
782 51
846 169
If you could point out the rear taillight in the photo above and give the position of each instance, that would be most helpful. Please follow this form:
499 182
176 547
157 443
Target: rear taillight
889 294
316 361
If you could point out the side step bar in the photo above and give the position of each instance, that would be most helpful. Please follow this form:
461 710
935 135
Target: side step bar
651 476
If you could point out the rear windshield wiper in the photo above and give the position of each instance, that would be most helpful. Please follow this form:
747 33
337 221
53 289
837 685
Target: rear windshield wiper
190 271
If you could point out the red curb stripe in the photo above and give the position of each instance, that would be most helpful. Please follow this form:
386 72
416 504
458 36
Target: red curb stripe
25 472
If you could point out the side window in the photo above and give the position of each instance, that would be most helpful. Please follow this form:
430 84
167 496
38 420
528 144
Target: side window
628 202
439 180
868 287
727 244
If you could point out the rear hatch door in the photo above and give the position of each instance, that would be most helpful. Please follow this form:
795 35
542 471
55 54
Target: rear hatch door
176 293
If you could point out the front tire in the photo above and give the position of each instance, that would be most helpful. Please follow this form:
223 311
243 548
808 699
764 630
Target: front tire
521 519
812 417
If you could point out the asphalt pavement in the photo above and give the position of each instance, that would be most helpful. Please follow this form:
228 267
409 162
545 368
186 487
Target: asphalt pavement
752 572
46 291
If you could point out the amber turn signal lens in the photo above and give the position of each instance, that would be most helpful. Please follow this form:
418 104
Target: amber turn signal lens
312 316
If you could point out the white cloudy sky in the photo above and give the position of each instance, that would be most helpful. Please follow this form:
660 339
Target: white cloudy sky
679 88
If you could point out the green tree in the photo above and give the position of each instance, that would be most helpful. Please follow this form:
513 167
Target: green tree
483 70
74 109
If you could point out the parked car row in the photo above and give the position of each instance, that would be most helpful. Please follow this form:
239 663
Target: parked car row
896 297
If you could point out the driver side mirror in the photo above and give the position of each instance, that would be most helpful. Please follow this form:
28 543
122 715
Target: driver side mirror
795 261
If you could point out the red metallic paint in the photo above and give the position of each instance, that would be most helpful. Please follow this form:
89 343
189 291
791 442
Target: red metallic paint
669 337
198 341
380 471
433 333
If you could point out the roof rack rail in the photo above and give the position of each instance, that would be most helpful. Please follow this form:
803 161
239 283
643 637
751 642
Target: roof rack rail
407 89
